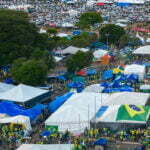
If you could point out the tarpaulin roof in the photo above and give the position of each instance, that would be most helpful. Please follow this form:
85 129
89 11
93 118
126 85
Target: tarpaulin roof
91 71
100 4
108 74
140 29
12 109
100 142
81 73
94 88
58 101
144 50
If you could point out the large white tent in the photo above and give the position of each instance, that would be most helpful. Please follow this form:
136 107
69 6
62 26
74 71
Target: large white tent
135 69
45 147
121 98
5 87
144 50
75 114
99 53
73 50
17 119
95 88
22 93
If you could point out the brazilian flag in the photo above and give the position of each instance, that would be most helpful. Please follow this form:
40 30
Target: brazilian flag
53 128
133 113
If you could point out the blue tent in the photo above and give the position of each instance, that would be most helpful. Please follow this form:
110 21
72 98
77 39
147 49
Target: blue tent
45 133
147 64
58 101
75 85
91 71
108 74
105 84
8 81
123 4
76 32
61 77
101 142
13 109
132 77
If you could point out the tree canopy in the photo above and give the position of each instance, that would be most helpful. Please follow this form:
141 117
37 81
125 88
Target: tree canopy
18 37
30 72
112 33
88 19
79 61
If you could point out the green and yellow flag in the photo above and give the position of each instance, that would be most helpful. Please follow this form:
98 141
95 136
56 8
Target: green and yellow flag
133 113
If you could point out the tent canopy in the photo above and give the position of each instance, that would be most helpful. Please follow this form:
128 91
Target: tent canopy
5 87
45 147
22 93
144 50
77 107
134 98
17 119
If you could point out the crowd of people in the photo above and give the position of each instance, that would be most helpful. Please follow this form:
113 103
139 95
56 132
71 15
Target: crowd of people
58 12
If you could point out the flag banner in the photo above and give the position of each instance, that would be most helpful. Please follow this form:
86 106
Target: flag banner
133 113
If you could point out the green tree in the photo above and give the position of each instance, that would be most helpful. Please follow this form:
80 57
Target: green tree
30 72
84 40
79 61
111 33
123 40
88 19
52 31
44 56
18 37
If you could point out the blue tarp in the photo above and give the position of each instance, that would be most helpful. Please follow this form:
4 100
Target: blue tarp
91 72
76 32
100 142
108 74
75 85
123 4
58 101
101 111
45 133
61 77
105 84
8 81
13 109
147 64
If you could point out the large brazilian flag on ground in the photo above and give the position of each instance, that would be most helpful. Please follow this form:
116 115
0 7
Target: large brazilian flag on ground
133 113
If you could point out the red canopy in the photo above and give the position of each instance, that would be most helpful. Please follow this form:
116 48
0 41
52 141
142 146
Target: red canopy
81 73
140 29
100 4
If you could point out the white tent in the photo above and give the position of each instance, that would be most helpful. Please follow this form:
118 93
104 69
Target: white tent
76 113
45 147
99 53
144 50
135 69
67 25
72 12
17 119
22 93
5 87
73 50
130 1
62 35
90 3
134 98
94 88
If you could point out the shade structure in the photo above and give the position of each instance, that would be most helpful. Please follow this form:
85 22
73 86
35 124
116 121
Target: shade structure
99 53
18 120
94 88
144 50
23 94
100 4
75 114
45 147
135 69
133 98
5 87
